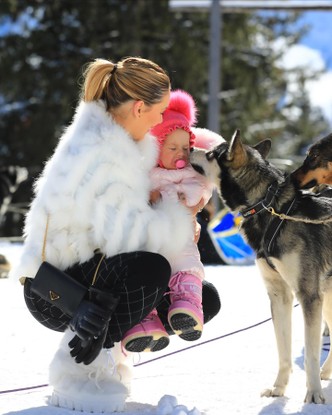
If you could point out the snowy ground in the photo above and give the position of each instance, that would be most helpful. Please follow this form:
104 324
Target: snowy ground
222 373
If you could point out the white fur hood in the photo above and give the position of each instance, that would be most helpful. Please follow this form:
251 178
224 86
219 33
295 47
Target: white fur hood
94 191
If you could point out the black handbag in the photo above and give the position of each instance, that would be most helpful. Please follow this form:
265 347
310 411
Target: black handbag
58 288
55 286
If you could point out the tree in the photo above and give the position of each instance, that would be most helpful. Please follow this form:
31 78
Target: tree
44 45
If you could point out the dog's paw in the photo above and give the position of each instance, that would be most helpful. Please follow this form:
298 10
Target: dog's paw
325 374
274 392
314 397
326 369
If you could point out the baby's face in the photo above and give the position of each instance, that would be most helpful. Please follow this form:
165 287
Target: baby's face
175 147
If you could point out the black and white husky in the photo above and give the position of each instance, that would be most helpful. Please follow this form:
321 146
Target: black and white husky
290 231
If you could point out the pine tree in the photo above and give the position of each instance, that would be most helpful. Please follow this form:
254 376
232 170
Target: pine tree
45 44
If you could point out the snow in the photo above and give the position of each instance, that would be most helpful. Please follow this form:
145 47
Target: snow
221 373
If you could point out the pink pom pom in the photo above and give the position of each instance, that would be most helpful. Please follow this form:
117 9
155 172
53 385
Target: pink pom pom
183 103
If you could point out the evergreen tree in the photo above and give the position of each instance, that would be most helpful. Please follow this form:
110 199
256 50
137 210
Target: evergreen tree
44 45
47 44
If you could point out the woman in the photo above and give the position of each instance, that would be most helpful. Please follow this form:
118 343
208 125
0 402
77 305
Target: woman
91 218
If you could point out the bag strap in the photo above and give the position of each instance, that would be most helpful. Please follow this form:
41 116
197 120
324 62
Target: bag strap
94 279
43 254
45 238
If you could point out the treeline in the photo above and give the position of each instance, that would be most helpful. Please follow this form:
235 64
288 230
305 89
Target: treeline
44 45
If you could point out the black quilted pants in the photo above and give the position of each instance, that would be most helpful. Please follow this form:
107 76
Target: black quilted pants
140 279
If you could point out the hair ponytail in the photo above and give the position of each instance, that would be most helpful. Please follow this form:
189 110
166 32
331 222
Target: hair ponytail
132 78
96 76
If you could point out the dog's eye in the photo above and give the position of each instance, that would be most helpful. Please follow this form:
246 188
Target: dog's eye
313 158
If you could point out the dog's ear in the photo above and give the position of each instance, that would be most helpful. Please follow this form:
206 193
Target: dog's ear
236 152
264 147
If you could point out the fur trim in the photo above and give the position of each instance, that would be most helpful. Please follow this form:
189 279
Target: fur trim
186 181
172 222
206 139
102 386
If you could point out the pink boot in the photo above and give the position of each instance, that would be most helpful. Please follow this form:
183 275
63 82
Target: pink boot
185 314
147 336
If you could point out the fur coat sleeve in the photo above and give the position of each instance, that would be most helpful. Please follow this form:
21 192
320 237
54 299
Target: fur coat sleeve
94 193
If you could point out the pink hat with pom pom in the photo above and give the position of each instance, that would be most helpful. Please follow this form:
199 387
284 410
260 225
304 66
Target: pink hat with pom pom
180 114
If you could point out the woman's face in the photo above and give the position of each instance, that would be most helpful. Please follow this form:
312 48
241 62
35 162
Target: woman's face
149 116
175 147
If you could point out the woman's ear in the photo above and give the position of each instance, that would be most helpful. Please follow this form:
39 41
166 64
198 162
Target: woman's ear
138 108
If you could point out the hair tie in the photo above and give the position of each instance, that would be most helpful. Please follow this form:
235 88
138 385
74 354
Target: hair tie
114 69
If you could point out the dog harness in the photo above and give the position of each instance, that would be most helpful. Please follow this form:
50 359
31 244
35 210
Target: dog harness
272 192
275 225
274 228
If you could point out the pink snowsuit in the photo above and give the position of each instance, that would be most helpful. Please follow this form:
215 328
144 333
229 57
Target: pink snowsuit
171 184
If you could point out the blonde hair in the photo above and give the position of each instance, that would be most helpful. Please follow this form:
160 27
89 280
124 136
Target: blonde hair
132 78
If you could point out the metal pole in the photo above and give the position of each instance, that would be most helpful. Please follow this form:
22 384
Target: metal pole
214 104
240 6
214 66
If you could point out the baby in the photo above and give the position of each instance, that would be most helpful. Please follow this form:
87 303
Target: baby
174 178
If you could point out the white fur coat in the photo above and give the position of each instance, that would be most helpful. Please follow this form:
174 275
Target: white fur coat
95 192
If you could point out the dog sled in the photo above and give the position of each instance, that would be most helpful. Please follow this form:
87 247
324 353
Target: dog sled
230 245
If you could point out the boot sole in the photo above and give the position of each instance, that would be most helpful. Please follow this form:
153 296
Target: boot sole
146 344
185 326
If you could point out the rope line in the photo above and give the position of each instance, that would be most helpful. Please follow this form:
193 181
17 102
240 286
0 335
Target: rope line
160 357
24 389
205 342
169 354
283 216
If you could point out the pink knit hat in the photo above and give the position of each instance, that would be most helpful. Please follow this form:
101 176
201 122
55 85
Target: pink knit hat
180 114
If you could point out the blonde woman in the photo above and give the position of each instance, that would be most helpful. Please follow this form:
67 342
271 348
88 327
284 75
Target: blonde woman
91 218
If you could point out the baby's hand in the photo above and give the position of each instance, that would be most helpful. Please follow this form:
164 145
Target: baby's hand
197 208
197 232
155 196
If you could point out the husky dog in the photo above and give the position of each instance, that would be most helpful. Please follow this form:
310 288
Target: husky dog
285 226
317 166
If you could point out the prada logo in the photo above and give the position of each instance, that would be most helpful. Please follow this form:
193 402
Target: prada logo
54 296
